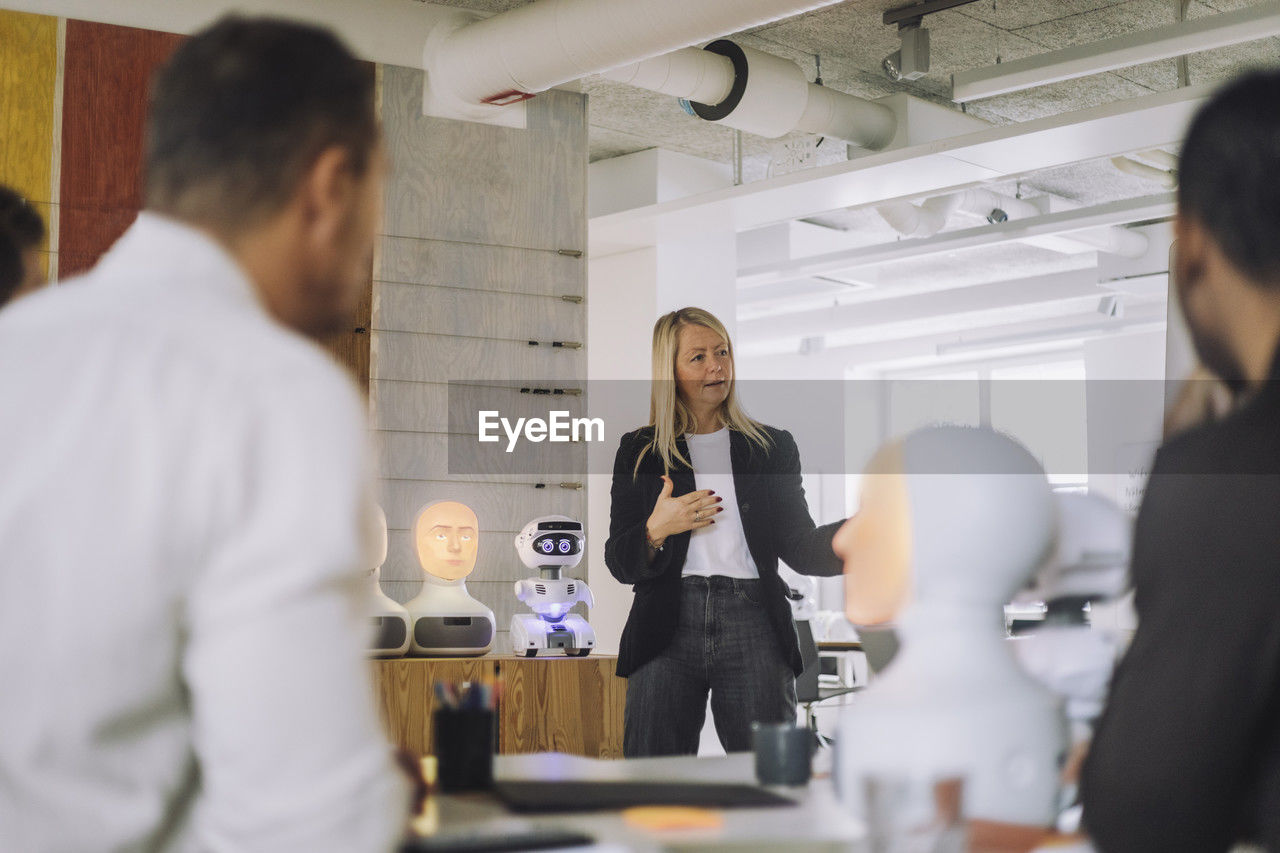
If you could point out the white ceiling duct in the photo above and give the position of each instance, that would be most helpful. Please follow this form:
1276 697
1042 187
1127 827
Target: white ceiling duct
911 220
861 122
541 45
769 93
770 97
994 207
390 31
691 73
930 217
759 93
1141 170
1160 158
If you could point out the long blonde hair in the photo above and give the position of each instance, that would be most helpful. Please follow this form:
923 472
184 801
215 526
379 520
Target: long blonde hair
668 414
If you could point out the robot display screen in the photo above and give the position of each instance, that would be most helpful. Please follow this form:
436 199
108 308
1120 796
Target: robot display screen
556 543
560 525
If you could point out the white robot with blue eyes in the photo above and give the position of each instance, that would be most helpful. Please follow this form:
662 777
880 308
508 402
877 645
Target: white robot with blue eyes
550 544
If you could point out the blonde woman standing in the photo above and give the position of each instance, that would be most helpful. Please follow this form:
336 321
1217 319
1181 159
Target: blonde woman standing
705 502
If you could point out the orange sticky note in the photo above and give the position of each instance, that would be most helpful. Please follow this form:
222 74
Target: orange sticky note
672 817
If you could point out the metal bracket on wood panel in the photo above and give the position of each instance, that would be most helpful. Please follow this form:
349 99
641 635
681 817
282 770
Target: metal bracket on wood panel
569 297
572 392
570 253
570 485
557 344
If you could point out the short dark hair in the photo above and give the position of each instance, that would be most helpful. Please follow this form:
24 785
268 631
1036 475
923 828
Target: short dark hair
243 108
1229 173
21 230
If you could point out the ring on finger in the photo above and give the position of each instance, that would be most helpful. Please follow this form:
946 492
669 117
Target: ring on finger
697 515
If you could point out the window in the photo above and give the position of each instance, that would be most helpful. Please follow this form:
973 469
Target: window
941 398
1041 403
1043 406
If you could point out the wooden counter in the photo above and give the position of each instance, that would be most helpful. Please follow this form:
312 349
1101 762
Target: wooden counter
548 704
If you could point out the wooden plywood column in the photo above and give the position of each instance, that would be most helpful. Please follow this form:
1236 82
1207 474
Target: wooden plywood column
28 78
108 73
351 346
485 227
550 703
406 697
556 704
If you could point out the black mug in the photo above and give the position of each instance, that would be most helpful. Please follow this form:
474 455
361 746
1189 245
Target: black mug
783 753
464 749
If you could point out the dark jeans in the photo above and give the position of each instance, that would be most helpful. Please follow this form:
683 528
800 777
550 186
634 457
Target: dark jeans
723 644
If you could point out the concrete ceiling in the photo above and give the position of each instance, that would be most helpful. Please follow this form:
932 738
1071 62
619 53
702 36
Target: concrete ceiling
851 41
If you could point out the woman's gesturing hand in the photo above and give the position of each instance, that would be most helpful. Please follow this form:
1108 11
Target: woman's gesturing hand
676 515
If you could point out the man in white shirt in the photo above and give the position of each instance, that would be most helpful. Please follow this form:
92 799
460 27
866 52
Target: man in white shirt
181 635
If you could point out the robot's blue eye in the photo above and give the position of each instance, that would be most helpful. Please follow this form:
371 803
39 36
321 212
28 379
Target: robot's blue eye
565 545
547 546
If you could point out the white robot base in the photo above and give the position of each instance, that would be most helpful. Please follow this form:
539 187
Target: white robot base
531 634
390 631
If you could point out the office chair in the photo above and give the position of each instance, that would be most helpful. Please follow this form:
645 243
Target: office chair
809 691
880 645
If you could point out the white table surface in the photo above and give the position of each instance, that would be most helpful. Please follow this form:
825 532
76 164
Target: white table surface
817 823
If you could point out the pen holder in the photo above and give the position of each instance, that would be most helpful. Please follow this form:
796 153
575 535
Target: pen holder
464 749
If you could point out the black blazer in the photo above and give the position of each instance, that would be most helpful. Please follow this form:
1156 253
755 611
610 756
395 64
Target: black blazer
775 519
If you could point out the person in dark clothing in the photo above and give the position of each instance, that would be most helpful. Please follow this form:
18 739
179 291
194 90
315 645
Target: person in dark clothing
705 502
1186 755
21 233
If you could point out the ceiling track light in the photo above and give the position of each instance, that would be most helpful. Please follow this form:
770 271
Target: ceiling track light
911 60
915 12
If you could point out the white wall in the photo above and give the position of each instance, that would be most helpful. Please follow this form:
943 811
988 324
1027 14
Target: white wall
626 293
701 273
1125 405
620 308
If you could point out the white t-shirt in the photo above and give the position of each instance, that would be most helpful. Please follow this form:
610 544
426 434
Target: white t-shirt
720 548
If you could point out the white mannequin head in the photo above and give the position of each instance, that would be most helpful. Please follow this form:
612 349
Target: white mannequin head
1092 557
376 539
950 515
391 636
953 521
